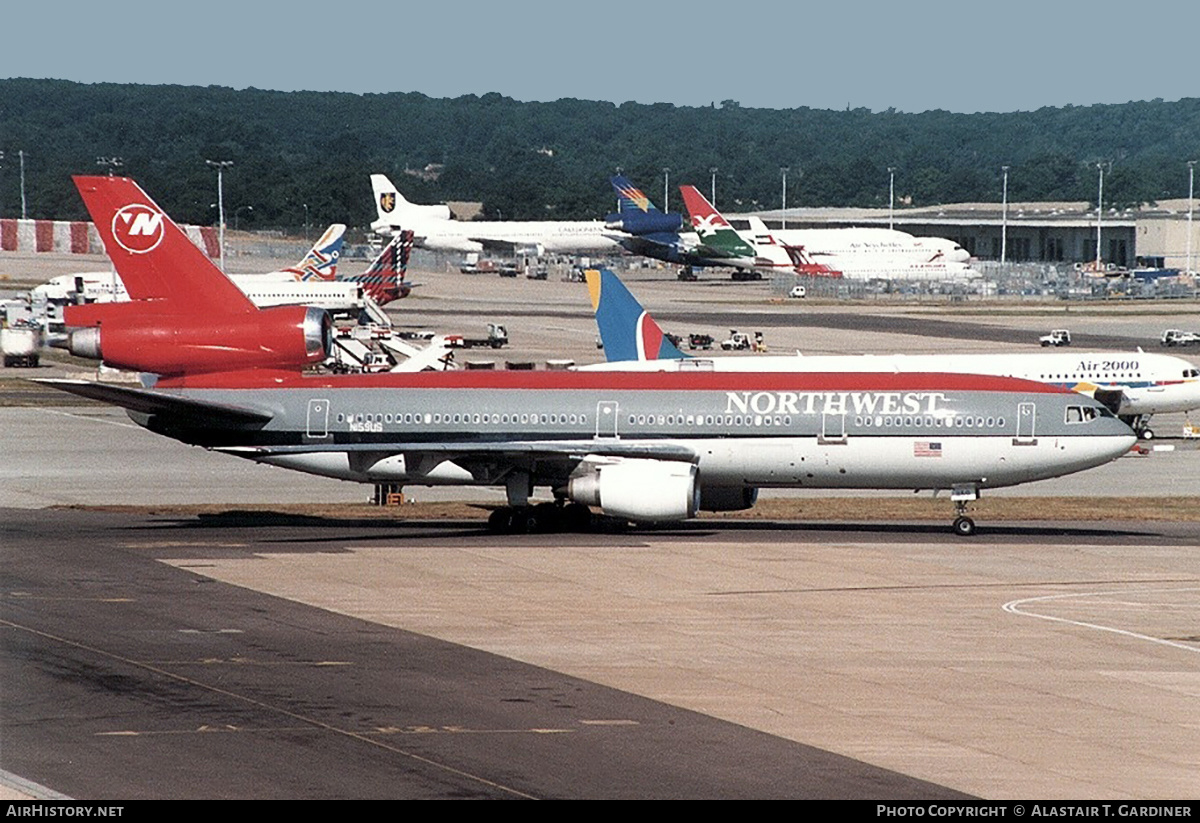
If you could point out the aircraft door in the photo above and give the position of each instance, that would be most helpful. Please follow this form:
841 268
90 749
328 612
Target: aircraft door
1026 415
606 418
318 418
833 428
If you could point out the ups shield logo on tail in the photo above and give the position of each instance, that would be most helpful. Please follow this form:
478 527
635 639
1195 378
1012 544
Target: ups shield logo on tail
387 202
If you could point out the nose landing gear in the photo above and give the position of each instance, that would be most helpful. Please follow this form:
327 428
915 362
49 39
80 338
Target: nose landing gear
962 495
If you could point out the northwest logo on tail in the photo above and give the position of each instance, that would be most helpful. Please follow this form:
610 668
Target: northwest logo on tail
138 228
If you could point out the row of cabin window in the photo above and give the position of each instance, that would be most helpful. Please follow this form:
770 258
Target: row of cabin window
709 420
434 418
930 422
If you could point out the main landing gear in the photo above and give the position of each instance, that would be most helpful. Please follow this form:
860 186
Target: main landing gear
540 518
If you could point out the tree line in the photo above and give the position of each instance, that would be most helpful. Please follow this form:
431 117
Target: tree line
298 154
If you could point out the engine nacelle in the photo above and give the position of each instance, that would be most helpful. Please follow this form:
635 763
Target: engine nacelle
727 498
127 336
636 489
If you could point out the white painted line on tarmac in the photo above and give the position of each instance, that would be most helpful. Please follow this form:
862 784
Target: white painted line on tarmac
1016 607
91 418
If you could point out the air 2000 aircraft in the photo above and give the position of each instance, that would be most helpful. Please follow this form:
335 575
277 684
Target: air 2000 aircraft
1134 385
644 447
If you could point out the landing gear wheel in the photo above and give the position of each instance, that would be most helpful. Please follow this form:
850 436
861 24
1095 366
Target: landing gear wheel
576 517
500 521
1146 434
964 526
544 517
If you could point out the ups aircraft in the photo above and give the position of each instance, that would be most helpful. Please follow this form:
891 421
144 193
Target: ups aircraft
644 447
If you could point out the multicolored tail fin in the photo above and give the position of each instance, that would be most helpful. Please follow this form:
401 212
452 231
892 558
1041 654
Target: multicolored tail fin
713 230
153 257
636 214
627 331
321 262
630 197
384 279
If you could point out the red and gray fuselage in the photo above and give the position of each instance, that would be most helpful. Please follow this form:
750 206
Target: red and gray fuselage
740 430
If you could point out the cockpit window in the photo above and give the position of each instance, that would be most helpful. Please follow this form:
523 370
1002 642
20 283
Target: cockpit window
1081 414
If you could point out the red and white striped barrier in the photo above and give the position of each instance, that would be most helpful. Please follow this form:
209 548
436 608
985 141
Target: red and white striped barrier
79 237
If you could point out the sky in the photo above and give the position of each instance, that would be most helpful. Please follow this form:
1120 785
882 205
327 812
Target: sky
913 56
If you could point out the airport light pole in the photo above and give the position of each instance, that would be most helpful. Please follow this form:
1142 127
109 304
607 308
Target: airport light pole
713 171
21 155
1191 192
1099 215
220 166
666 183
1004 219
891 197
783 170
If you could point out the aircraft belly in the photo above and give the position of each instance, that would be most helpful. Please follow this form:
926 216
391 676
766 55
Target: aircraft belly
900 462
1162 399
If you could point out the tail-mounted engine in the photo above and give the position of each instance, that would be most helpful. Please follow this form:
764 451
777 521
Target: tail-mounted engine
131 336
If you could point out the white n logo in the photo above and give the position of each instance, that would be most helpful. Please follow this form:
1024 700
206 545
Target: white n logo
138 228
146 223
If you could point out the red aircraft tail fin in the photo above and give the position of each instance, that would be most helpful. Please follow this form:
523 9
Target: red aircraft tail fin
154 258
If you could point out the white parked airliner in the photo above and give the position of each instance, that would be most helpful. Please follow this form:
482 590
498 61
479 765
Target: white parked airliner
1133 385
434 229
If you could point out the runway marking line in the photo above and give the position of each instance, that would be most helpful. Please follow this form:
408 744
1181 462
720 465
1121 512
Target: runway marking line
423 730
93 418
29 596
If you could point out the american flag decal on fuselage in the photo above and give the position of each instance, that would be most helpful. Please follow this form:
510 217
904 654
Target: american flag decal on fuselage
925 448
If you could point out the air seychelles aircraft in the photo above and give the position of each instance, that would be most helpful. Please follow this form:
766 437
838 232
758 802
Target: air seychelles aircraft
644 447
1134 385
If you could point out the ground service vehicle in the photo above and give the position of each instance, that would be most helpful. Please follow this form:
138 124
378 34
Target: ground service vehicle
1058 337
1178 337
21 343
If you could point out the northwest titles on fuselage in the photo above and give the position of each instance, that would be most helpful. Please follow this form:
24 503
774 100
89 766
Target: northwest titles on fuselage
789 402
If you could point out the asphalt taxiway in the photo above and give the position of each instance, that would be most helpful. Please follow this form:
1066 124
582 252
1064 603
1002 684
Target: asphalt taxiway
243 655
250 655
130 671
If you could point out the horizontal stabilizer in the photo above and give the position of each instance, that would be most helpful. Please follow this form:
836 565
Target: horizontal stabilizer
153 402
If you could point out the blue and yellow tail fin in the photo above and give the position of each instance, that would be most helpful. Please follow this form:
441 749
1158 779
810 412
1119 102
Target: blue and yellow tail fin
627 331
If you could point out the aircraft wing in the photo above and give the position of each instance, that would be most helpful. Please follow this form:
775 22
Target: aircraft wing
675 251
508 451
507 247
152 402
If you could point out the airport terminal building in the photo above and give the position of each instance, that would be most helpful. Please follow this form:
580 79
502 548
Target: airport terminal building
1154 235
